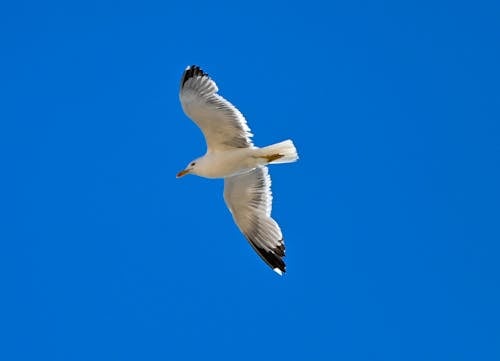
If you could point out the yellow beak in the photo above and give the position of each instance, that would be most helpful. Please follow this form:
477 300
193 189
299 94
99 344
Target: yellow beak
182 173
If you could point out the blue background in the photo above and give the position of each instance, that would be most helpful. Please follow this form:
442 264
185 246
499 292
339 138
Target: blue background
391 216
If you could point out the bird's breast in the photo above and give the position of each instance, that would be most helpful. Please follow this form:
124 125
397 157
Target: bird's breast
228 163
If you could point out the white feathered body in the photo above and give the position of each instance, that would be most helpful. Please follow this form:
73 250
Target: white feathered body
241 160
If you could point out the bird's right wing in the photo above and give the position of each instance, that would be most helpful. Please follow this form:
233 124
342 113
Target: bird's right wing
248 197
222 124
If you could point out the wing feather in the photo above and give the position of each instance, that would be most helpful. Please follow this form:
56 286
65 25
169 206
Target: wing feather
222 124
248 197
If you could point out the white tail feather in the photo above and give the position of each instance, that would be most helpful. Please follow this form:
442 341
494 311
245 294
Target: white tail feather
285 148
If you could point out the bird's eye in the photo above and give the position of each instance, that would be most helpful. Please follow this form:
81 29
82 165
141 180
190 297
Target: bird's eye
192 164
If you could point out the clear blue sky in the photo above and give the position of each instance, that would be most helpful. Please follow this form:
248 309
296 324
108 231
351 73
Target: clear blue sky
391 216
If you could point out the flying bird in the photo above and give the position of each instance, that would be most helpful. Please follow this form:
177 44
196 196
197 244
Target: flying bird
231 155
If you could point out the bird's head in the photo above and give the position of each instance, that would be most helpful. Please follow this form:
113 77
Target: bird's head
190 169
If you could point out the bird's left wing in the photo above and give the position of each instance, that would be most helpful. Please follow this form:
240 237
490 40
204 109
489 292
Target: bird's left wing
248 197
222 124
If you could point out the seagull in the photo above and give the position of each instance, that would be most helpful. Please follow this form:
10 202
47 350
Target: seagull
232 156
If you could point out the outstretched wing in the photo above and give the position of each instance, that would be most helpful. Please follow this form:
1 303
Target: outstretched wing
248 197
222 124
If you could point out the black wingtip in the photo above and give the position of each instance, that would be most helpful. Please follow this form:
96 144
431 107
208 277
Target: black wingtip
192 71
273 258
